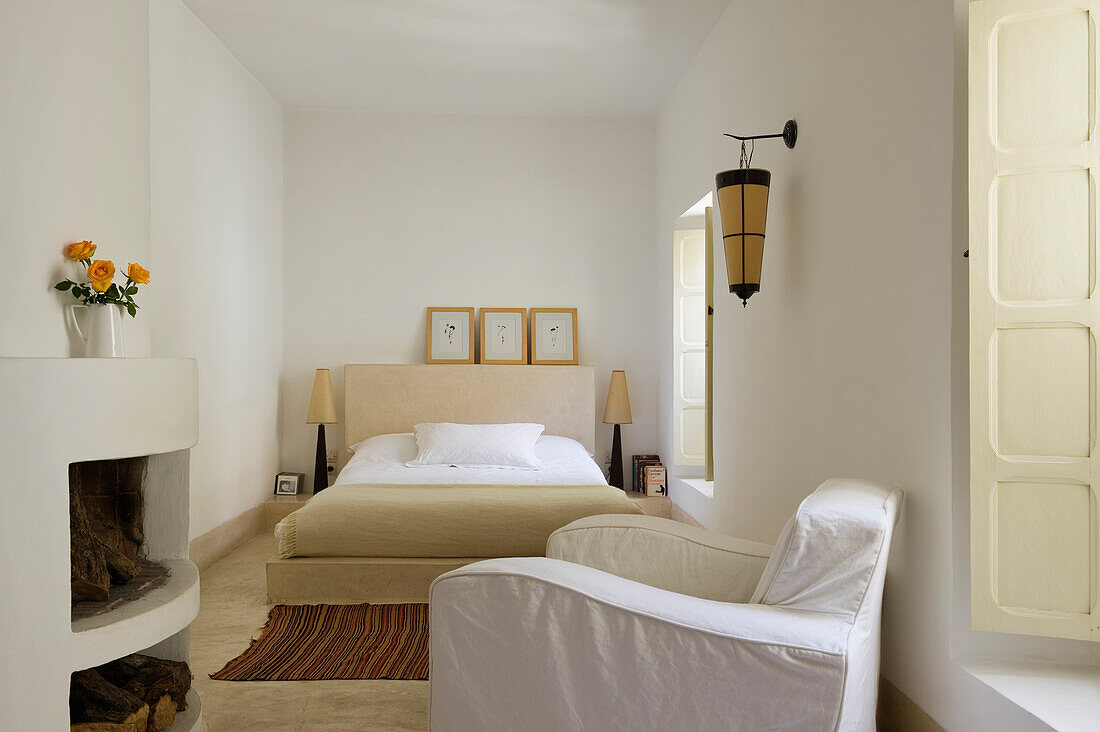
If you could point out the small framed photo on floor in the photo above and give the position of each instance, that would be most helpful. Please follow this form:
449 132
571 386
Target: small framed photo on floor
450 335
554 336
503 335
289 484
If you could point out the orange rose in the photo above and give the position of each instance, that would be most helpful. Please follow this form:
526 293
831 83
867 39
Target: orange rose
101 272
137 273
80 251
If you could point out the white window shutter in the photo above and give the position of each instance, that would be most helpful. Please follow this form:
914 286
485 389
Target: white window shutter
1035 563
689 347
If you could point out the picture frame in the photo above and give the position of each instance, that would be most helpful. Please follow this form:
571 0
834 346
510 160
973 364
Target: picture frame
503 335
289 484
450 335
554 336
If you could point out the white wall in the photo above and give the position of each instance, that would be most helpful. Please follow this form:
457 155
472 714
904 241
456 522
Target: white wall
388 214
841 365
74 157
217 255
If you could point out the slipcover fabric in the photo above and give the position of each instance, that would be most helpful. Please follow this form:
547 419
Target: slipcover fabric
546 644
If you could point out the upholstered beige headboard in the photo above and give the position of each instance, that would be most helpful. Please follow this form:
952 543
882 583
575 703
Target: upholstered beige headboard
383 399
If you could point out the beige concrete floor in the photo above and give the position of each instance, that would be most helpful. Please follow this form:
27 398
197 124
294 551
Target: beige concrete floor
234 608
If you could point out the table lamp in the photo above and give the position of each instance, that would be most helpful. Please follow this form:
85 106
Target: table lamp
322 411
617 412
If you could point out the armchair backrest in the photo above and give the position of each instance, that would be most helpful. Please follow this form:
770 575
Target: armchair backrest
827 554
831 557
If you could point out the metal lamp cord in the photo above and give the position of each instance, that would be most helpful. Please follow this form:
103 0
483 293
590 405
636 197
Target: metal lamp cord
746 155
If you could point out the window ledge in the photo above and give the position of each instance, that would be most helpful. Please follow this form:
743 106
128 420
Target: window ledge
1065 697
705 487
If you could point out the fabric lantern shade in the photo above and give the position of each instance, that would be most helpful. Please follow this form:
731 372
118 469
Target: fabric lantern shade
617 409
322 406
743 205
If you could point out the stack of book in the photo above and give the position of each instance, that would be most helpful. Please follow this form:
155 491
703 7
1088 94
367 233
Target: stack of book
649 475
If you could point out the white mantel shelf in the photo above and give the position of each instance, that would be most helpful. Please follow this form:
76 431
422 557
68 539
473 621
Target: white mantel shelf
58 411
138 624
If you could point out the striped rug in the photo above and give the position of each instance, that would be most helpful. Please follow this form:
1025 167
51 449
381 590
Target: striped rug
318 642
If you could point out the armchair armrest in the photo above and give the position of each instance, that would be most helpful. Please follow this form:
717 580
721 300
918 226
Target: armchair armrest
662 553
539 644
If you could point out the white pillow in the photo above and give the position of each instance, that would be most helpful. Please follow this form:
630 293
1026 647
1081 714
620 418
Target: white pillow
477 445
386 449
552 449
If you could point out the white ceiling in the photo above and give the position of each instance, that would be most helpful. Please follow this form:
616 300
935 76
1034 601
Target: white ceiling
525 57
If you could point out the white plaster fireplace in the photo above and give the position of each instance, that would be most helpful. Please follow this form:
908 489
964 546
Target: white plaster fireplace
54 412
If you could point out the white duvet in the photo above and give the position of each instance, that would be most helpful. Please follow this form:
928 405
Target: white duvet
381 461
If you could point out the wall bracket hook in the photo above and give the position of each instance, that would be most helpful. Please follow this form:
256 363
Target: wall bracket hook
789 135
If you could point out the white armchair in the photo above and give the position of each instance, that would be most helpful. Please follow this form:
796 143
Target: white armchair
639 623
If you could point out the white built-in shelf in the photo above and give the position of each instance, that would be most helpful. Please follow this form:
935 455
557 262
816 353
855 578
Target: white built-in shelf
1065 696
139 623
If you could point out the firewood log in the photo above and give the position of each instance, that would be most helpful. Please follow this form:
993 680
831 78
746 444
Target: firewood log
163 714
121 568
102 727
150 678
89 575
94 699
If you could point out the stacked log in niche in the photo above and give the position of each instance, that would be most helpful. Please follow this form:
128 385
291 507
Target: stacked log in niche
106 524
137 693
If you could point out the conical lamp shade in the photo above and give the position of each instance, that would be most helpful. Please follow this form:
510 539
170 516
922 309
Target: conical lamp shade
617 410
322 407
743 204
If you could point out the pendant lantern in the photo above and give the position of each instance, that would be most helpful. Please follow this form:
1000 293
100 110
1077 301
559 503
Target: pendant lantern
743 206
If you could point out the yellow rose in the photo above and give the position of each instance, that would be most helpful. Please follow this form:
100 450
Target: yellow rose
137 273
80 251
101 272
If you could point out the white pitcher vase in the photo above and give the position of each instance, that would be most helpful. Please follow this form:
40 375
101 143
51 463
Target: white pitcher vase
102 332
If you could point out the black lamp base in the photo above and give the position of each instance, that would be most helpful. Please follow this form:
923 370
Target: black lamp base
616 476
320 470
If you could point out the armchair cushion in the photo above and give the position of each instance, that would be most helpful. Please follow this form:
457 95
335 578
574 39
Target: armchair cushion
663 553
828 551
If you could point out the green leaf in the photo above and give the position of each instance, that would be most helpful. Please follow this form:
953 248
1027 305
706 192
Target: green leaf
112 291
131 290
63 285
132 309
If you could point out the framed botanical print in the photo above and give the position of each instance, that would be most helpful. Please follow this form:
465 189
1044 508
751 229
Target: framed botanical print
450 335
503 335
554 336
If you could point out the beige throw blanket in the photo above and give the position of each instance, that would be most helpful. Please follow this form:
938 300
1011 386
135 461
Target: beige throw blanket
440 520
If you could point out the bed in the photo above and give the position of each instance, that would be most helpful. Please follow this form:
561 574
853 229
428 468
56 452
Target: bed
384 531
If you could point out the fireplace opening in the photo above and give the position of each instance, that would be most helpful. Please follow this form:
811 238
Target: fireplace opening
109 565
